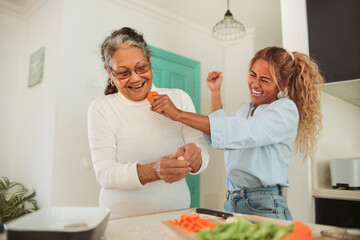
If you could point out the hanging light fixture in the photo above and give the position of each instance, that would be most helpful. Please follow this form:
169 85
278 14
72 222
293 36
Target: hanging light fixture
228 28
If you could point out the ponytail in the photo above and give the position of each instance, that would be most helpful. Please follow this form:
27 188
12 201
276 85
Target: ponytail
304 90
110 88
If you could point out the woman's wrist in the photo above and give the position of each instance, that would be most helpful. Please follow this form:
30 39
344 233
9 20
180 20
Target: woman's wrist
180 116
196 167
147 173
215 91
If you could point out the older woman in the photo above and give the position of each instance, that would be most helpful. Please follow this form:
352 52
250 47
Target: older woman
134 150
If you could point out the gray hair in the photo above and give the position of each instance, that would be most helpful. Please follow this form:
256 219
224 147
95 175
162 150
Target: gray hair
124 36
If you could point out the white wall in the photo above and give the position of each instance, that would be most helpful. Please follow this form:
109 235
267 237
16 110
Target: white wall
32 113
340 137
11 69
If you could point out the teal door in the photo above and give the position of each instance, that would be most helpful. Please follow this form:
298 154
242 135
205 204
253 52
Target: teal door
174 71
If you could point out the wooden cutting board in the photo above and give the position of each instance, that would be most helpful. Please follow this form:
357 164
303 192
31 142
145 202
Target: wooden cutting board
177 233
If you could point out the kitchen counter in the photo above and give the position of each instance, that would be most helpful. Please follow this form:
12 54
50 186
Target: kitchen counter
352 195
142 227
148 226
139 227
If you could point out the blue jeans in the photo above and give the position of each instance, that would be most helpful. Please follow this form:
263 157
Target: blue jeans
266 202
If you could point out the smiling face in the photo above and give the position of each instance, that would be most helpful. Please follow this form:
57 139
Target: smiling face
136 86
263 89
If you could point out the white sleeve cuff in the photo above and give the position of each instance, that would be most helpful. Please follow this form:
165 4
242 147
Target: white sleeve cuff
204 164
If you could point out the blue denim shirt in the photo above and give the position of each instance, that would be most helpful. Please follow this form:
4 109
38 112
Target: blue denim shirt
258 148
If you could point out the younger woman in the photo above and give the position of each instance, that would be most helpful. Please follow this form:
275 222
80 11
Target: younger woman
259 139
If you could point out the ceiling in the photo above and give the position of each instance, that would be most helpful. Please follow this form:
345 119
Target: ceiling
17 4
20 8
263 15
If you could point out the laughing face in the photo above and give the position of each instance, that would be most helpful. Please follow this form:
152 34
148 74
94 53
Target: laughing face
131 73
263 89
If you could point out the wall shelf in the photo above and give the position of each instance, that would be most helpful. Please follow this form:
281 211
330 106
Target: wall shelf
353 195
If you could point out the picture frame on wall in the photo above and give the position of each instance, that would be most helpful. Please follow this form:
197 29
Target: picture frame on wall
36 67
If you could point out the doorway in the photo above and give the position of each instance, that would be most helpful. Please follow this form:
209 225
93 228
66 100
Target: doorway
174 71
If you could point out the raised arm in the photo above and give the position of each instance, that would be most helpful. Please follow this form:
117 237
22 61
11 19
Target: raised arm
214 81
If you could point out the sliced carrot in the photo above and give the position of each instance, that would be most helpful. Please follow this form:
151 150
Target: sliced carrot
192 223
300 232
301 227
150 94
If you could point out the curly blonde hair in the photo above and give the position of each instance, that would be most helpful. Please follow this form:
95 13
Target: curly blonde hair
303 88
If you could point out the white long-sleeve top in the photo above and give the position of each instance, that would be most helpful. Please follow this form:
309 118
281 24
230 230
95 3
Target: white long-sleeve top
122 134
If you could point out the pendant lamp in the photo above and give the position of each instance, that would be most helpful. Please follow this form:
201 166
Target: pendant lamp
228 28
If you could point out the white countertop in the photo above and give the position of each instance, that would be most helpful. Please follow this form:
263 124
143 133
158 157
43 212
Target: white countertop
142 227
148 226
352 195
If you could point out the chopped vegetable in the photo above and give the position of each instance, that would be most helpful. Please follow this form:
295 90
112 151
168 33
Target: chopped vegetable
192 223
243 229
150 94
300 232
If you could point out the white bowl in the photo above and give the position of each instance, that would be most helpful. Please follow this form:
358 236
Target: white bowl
60 223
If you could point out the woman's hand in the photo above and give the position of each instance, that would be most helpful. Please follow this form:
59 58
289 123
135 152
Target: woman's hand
170 170
214 80
191 154
164 106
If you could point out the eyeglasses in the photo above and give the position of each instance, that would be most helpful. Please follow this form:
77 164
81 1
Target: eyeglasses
126 74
